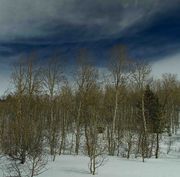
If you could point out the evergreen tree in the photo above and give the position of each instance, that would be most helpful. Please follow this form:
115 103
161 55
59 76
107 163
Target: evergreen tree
152 111
153 115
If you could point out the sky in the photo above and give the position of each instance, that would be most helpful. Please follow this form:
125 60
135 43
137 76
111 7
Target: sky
149 28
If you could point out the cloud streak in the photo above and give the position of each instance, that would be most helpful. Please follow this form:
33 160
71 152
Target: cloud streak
38 18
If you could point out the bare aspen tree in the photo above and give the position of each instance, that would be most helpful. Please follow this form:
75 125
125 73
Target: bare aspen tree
128 121
66 108
52 75
85 77
19 80
34 166
119 70
140 78
92 120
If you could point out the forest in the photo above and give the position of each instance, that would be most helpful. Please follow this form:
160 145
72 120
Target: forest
122 112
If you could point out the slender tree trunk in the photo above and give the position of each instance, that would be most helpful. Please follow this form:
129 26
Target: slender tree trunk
115 115
63 135
157 145
94 164
129 146
87 140
152 145
139 144
144 136
23 156
78 129
113 131
143 146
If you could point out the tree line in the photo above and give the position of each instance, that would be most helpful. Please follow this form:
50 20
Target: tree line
123 112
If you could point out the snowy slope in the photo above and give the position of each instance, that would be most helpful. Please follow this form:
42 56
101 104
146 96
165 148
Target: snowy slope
77 166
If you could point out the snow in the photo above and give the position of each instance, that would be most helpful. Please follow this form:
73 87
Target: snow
168 165
77 166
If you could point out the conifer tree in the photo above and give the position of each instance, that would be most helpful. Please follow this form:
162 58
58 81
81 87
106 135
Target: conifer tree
153 115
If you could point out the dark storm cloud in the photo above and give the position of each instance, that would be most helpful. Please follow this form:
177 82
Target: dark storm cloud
38 24
40 18
144 25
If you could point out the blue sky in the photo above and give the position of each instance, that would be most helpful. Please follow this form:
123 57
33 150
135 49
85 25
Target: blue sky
149 28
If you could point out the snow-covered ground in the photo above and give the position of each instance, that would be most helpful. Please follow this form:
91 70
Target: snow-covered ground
168 165
77 166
